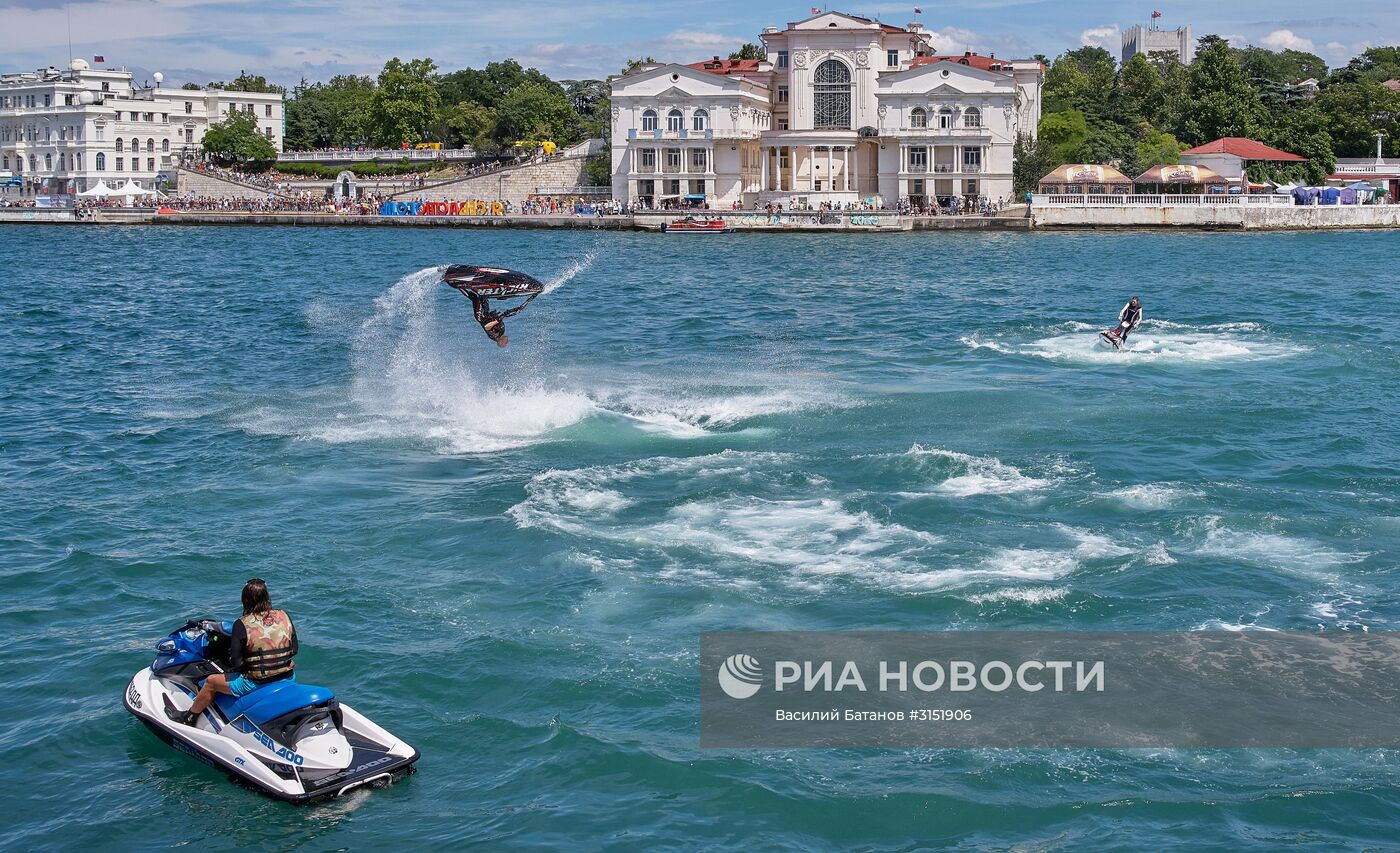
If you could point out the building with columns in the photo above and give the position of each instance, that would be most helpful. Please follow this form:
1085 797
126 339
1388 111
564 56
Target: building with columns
63 131
843 109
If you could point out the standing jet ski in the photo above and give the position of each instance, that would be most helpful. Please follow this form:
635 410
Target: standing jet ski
292 741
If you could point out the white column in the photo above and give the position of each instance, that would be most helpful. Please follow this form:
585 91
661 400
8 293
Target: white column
763 170
792 153
830 182
855 168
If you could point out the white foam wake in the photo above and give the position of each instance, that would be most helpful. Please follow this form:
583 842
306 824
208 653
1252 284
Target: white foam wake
1155 341
964 475
570 270
421 371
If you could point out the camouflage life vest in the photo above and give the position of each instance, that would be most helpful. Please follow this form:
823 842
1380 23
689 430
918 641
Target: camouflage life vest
268 652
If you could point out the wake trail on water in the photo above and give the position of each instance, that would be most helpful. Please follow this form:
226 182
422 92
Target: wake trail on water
1155 341
419 373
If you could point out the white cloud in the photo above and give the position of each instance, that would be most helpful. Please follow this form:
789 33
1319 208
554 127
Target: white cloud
954 40
1107 37
1286 40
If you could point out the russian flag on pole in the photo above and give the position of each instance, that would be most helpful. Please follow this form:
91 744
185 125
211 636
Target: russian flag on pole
98 58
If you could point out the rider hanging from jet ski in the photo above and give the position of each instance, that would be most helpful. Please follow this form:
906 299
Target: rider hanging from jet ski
1128 319
482 284
260 652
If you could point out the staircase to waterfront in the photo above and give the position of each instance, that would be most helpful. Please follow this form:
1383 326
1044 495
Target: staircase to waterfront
191 181
509 183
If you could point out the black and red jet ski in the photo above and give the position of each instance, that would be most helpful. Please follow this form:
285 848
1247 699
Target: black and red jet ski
491 282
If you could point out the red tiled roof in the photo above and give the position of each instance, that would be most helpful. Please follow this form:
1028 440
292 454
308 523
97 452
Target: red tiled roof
986 63
1247 149
727 66
1393 85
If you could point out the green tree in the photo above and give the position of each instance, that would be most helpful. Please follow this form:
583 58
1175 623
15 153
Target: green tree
333 114
1156 148
405 103
1354 112
1064 132
634 64
533 112
1031 160
1376 64
1081 80
235 141
1282 67
1138 97
190 87
1302 131
490 85
749 50
469 124
1221 100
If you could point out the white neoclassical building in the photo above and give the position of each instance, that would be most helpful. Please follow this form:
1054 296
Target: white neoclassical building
63 131
843 109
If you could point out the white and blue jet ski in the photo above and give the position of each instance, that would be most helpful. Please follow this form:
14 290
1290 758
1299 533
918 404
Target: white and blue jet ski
292 741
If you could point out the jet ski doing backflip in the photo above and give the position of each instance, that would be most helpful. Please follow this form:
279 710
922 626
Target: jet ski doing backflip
1128 319
482 284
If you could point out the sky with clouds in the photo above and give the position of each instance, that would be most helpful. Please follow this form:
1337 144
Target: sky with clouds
286 40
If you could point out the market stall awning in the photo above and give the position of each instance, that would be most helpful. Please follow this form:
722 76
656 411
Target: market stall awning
1085 173
1180 173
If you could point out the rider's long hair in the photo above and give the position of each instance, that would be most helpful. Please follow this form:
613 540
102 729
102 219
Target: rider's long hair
255 597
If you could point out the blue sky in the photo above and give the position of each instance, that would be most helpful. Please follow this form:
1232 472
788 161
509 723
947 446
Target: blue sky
201 40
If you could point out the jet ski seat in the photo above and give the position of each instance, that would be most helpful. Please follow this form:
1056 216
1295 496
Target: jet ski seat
272 701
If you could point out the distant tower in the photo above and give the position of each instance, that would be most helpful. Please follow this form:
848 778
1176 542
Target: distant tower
1178 42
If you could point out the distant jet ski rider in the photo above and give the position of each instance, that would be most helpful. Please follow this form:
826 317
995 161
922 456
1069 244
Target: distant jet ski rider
1128 319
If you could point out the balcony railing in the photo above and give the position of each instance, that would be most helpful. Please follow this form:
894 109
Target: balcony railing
634 133
1153 200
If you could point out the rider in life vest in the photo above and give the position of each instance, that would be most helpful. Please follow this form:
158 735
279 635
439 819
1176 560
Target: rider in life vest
1128 319
261 651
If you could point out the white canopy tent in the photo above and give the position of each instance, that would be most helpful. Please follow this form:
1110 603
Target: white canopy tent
99 191
130 190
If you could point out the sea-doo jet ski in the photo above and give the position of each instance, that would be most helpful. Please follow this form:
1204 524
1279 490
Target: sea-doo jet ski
292 741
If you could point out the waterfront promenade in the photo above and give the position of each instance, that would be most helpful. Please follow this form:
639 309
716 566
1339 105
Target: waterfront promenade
1203 217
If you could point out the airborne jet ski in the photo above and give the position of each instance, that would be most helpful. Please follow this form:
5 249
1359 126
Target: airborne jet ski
292 741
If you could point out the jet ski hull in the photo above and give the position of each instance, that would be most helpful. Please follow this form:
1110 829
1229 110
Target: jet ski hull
248 754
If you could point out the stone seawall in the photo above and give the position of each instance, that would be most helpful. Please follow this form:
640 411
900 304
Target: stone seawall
513 183
1226 216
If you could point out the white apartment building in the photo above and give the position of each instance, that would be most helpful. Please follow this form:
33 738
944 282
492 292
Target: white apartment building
63 131
843 109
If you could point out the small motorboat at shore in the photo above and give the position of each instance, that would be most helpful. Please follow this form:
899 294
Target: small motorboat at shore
292 741
694 225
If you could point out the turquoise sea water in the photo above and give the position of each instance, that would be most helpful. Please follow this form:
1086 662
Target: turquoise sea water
506 557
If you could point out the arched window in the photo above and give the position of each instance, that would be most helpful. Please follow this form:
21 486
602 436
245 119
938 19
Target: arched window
675 120
165 145
945 118
831 102
48 162
150 145
135 144
101 162
972 117
700 120
120 143
649 120
918 117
